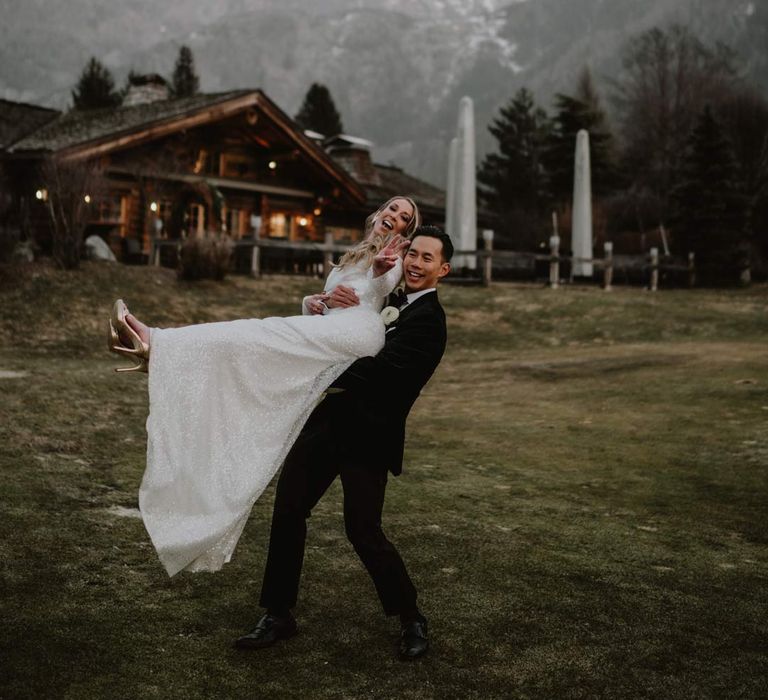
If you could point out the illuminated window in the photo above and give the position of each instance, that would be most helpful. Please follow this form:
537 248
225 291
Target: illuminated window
200 162
196 220
293 225
343 235
108 213
234 222
279 226
110 210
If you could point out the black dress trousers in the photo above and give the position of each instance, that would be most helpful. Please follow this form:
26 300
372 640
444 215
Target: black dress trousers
316 459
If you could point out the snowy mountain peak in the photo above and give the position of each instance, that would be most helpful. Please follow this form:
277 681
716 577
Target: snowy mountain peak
396 68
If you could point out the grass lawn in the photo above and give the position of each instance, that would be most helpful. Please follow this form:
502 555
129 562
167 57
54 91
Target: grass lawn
583 507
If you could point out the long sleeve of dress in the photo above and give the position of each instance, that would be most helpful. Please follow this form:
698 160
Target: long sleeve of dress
305 306
371 290
384 284
329 284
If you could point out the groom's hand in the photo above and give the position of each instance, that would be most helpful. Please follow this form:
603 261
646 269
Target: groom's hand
342 297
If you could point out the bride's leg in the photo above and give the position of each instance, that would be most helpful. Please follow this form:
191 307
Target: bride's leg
141 328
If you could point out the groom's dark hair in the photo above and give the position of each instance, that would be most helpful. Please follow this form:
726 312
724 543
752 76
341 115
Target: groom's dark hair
442 236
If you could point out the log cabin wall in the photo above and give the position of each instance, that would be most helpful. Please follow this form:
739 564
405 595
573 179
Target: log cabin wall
244 180
231 163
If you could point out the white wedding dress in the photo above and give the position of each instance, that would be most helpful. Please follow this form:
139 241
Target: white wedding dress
226 403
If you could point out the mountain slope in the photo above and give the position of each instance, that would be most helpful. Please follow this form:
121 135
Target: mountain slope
396 68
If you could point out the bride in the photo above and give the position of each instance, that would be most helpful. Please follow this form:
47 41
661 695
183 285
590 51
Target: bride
227 400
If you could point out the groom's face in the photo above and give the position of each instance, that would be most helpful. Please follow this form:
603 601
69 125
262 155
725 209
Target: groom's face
424 266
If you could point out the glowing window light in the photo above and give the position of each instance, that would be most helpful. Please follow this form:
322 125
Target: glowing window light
303 221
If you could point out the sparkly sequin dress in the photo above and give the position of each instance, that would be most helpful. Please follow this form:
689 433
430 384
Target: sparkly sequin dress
226 403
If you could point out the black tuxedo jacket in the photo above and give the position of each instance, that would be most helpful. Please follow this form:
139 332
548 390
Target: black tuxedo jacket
368 417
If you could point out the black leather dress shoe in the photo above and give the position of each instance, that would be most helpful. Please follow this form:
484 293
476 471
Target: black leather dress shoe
413 640
268 630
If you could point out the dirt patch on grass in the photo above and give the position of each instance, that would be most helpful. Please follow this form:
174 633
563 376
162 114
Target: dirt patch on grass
10 374
123 512
472 319
587 367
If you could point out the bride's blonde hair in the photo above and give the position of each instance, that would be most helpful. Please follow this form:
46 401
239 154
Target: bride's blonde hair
367 249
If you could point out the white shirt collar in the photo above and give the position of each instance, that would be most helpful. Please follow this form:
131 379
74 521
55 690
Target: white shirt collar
413 296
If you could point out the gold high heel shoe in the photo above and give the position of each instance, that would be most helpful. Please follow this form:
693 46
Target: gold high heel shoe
139 350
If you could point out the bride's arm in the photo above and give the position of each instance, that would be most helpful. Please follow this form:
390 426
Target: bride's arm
316 304
384 284
387 267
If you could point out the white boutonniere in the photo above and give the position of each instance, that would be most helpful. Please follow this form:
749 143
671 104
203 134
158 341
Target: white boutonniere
389 314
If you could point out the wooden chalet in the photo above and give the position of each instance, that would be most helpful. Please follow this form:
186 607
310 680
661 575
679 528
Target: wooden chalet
231 163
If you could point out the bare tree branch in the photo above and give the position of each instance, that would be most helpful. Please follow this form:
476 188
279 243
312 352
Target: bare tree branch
73 189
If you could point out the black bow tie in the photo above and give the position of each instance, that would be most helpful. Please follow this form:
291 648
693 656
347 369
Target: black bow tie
397 298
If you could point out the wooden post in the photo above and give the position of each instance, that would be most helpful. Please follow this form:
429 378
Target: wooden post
255 259
608 267
154 250
654 269
554 261
488 261
317 267
255 255
328 254
691 269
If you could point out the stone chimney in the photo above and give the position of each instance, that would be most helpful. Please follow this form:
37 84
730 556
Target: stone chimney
354 155
143 89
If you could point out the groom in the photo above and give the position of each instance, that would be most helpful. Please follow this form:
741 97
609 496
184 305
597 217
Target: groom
357 432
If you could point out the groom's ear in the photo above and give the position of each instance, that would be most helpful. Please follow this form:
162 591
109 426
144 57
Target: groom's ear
445 268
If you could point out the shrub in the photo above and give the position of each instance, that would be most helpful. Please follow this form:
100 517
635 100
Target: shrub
205 258
67 183
9 239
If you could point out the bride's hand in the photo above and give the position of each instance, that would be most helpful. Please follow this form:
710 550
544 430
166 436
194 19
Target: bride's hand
316 303
385 260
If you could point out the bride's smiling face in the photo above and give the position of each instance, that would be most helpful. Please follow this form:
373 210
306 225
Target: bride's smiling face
394 218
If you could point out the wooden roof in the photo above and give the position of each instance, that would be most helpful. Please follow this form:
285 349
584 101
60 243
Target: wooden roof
395 181
18 119
97 132
76 130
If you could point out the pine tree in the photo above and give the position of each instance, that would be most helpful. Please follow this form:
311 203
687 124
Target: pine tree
96 88
185 82
709 207
666 79
745 120
580 111
512 182
318 112
586 92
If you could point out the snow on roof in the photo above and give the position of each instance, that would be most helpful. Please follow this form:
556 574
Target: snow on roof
347 140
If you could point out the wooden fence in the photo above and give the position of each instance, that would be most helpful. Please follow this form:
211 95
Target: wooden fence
650 266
